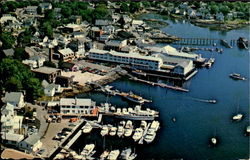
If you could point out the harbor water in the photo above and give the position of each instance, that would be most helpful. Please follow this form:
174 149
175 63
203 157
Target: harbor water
196 121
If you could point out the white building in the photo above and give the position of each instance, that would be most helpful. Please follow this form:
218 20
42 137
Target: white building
66 54
10 122
31 143
34 62
75 106
14 98
11 139
134 59
51 89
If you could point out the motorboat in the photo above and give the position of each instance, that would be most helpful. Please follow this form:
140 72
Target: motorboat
128 129
87 128
113 155
87 150
113 131
104 155
138 134
150 136
128 155
213 141
105 130
121 130
237 76
143 124
237 117
155 125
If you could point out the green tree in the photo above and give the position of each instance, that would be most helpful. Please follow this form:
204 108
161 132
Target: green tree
47 29
100 12
214 9
20 53
7 39
87 15
124 7
134 7
13 84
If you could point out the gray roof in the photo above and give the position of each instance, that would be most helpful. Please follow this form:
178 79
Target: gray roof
75 101
174 61
32 139
101 22
50 86
9 52
13 96
46 70
113 43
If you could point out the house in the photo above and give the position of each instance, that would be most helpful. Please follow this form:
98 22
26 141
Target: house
10 122
115 44
108 29
45 6
14 98
31 143
9 52
11 139
104 37
69 66
137 23
76 106
75 19
47 73
64 81
208 16
66 54
70 28
191 13
219 17
51 89
115 17
8 18
31 10
101 22
95 32
78 34
34 61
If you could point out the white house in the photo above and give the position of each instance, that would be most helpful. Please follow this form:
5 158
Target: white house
34 62
11 138
52 89
66 54
14 98
31 9
45 6
219 16
74 106
10 122
31 143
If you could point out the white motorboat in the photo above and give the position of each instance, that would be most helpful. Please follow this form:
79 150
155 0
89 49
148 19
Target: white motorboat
113 131
213 141
120 131
105 130
87 128
248 129
150 136
104 155
143 124
155 125
237 117
113 155
87 150
126 153
128 129
138 134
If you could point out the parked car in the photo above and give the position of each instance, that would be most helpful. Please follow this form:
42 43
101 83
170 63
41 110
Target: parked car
72 125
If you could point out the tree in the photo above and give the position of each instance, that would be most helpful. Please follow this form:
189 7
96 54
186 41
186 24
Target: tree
13 84
134 7
214 9
66 11
87 15
20 53
100 12
124 7
7 39
47 29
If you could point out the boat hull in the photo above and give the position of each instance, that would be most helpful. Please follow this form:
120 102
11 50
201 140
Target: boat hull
139 118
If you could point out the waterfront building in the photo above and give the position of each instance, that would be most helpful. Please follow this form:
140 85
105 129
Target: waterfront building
11 139
47 73
31 144
76 106
14 98
134 59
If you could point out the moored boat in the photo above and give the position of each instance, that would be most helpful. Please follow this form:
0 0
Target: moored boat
104 155
237 117
236 76
128 129
113 131
87 128
105 130
113 155
150 136
87 150
138 134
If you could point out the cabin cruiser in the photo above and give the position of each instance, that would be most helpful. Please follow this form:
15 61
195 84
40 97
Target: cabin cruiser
237 76
113 155
128 155
138 134
237 117
87 128
155 125
150 136
120 130
113 131
143 124
128 129
104 155
88 150
105 130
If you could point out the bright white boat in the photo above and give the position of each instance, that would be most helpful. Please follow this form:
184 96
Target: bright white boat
138 134
120 131
87 149
150 136
113 131
155 125
113 155
87 128
237 117
104 155
143 124
128 129
213 141
248 129
105 130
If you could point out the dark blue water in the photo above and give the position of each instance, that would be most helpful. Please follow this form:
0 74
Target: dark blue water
196 121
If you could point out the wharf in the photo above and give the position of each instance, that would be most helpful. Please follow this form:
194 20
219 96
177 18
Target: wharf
161 85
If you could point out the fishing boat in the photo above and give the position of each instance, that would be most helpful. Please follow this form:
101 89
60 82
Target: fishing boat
127 154
105 130
237 117
128 129
104 155
113 131
138 134
88 150
120 130
87 128
113 155
150 136
155 125
237 76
